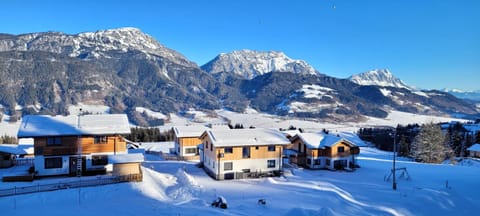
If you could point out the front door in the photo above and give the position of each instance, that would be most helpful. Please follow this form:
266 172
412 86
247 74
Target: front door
73 165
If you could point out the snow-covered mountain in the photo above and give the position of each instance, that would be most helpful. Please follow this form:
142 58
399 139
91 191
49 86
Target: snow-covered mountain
92 44
249 64
471 95
378 77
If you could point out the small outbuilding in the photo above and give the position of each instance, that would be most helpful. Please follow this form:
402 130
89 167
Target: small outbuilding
474 150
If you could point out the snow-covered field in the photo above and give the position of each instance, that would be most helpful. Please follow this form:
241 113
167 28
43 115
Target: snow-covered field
259 120
180 188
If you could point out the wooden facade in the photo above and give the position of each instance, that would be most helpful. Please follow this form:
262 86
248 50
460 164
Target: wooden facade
68 145
241 160
338 155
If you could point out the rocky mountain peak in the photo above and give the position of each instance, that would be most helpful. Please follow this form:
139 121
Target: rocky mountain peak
378 77
92 45
250 63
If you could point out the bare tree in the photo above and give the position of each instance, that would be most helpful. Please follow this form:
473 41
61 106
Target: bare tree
430 145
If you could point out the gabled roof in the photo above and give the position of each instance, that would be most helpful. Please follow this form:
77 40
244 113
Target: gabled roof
44 125
189 131
320 140
246 137
17 149
474 147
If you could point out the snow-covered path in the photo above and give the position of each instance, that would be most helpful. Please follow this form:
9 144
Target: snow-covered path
181 188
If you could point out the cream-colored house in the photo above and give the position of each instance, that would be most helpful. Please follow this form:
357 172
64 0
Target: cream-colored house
187 139
242 153
320 150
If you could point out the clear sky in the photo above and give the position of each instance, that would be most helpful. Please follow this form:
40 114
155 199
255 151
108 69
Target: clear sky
426 43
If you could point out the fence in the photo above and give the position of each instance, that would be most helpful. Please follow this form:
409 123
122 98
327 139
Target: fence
23 162
72 184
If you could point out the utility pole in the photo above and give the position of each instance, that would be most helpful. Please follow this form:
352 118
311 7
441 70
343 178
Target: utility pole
394 183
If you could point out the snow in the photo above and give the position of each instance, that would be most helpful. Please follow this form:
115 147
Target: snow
125 158
89 108
151 113
319 140
43 125
244 137
378 77
385 92
181 188
315 91
421 93
157 146
249 63
189 131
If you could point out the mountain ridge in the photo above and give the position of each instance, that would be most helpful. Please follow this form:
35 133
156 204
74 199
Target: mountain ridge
249 64
378 77
125 69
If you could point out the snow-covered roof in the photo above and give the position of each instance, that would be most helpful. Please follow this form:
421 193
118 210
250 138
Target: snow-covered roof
474 147
44 125
247 137
189 131
320 140
17 149
125 158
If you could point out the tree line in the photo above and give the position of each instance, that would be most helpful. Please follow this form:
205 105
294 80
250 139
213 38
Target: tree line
149 134
430 143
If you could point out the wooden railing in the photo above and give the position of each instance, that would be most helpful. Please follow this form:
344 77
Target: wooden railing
71 184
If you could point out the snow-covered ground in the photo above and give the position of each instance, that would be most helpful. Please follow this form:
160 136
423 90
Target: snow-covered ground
259 120
180 188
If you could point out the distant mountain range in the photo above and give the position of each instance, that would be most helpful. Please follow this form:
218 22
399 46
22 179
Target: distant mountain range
125 68
469 95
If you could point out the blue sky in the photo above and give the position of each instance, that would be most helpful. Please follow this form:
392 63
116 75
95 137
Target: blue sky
427 43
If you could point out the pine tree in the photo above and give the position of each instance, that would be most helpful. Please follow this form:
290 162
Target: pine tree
430 145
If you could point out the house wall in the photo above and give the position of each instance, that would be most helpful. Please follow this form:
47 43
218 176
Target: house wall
259 155
126 169
325 157
69 145
474 154
333 150
182 143
39 162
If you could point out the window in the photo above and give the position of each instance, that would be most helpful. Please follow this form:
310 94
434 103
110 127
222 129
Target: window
271 148
190 150
246 152
309 161
99 160
99 139
327 162
341 149
271 163
228 150
51 141
317 161
211 147
228 166
206 145
256 147
52 163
